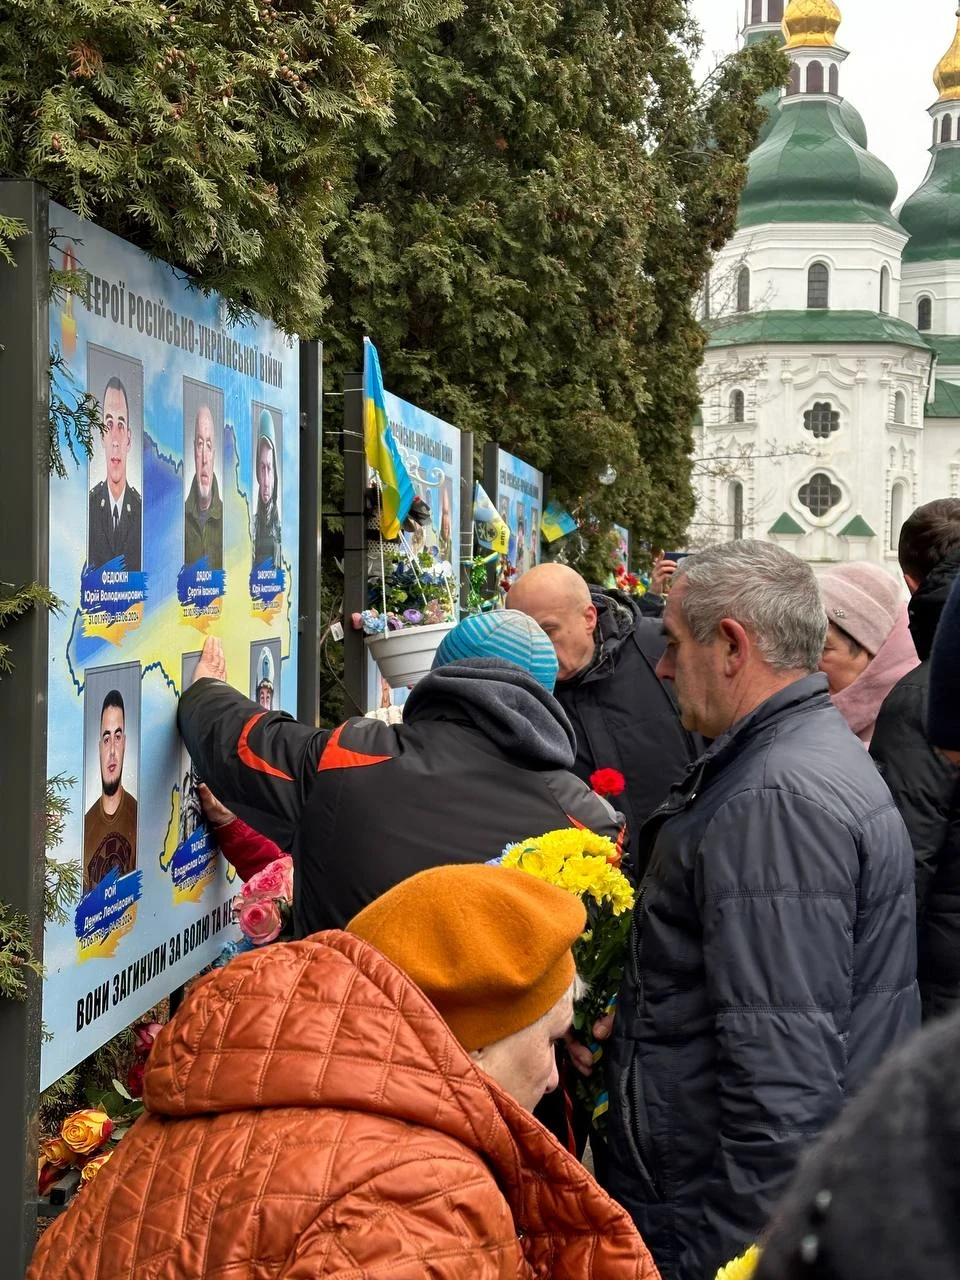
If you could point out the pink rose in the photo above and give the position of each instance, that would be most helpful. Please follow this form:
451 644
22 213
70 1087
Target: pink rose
260 921
274 881
144 1034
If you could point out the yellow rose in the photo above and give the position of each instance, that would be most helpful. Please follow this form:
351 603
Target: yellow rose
54 1151
93 1167
86 1131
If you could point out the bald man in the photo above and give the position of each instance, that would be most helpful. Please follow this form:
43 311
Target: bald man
203 510
623 716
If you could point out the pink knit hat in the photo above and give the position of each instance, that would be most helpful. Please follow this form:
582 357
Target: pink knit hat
862 600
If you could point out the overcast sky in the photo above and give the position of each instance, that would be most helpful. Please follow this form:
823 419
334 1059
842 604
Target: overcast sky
894 47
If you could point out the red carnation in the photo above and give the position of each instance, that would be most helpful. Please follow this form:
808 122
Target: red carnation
608 782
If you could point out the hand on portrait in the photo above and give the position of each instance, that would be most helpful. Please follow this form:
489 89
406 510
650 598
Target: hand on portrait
216 814
212 664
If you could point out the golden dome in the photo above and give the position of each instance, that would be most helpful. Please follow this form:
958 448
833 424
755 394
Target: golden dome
947 75
811 24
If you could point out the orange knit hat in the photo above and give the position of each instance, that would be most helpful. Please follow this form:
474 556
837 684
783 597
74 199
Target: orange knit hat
489 946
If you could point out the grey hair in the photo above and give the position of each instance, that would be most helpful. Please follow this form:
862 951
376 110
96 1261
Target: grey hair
772 593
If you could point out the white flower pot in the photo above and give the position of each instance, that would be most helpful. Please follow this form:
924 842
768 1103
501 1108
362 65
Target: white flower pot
405 656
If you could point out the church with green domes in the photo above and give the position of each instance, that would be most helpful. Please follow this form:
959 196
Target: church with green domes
831 381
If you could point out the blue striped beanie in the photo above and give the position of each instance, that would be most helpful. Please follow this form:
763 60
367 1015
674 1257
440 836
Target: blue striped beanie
504 633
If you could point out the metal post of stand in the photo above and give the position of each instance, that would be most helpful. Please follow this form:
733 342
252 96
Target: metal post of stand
466 515
24 548
354 544
311 444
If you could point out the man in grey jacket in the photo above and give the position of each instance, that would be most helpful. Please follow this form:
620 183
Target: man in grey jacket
773 957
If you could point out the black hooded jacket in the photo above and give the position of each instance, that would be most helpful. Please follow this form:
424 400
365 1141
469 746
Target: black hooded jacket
927 791
481 760
624 717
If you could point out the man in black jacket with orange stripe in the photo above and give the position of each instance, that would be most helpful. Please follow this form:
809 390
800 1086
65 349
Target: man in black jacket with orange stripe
481 759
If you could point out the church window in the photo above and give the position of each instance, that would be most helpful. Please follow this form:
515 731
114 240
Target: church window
737 405
743 289
898 495
835 80
756 11
899 409
775 11
884 290
735 501
924 314
821 420
819 494
818 286
794 85
946 129
814 77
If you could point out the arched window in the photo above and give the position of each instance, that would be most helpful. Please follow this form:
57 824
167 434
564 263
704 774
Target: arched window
794 83
818 286
924 314
736 406
775 11
899 409
821 420
946 129
834 80
898 503
884 290
735 504
743 289
819 494
756 11
814 77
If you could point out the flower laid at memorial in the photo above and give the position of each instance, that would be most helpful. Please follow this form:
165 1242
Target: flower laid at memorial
264 907
414 590
587 865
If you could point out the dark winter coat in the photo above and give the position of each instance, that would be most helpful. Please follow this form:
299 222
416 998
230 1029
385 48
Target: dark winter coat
772 965
927 790
624 717
480 760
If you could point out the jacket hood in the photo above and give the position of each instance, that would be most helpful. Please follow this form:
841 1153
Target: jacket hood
329 1022
504 703
617 618
927 603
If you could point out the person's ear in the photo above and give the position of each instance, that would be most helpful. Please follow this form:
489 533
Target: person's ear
913 585
735 645
590 615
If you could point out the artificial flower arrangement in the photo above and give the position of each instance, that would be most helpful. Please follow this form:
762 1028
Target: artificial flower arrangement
587 865
632 584
86 1137
415 590
264 906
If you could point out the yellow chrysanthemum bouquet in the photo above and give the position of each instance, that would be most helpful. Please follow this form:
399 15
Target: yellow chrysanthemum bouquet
589 866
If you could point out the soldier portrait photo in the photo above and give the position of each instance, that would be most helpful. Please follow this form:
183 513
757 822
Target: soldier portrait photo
115 520
111 738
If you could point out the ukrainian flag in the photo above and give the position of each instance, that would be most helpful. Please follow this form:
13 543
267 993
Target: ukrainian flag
381 449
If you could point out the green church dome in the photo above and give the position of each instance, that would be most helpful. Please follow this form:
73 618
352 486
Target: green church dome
813 168
932 214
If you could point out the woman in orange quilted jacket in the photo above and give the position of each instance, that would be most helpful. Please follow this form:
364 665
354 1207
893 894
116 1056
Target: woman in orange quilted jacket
357 1105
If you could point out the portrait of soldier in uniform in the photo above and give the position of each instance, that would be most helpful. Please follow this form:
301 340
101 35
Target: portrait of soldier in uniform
266 524
114 526
203 509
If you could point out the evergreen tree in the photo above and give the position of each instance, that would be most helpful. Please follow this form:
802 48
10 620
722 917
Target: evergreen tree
216 134
527 236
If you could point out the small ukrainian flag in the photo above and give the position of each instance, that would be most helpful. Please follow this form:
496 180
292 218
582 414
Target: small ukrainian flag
381 448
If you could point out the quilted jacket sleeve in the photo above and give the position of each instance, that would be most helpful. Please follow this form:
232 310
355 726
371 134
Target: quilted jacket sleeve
440 1216
921 782
261 764
777 881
